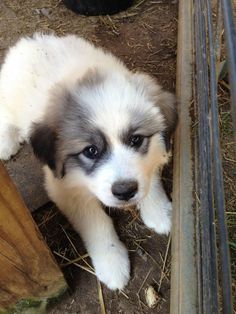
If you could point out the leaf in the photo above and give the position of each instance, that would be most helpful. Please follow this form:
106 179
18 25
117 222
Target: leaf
233 245
222 70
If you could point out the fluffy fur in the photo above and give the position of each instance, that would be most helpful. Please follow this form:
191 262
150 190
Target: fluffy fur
101 131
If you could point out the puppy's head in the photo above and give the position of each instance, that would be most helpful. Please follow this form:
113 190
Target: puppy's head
108 133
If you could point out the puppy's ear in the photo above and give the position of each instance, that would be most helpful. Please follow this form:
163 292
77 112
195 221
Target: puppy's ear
43 141
168 107
165 101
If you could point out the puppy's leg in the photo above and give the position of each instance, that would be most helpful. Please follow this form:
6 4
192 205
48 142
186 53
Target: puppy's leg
156 209
9 140
108 253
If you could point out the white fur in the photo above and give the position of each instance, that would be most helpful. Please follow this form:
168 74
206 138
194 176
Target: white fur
32 69
109 255
158 220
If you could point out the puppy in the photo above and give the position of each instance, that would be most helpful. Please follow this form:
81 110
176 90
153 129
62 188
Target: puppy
101 131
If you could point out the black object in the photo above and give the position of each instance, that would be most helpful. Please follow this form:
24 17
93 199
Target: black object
97 7
124 190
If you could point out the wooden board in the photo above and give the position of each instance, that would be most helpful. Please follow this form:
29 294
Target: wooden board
184 289
28 272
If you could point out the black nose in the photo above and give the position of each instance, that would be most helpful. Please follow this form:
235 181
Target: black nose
124 190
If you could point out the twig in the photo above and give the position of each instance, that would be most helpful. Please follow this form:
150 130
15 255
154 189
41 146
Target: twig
76 264
144 281
75 260
125 295
74 248
100 298
138 245
47 218
139 3
164 265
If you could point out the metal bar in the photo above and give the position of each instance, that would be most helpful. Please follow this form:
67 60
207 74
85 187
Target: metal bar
218 33
183 269
194 280
208 262
217 167
230 34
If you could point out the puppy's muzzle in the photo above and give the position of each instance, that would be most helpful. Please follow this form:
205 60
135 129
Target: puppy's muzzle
124 190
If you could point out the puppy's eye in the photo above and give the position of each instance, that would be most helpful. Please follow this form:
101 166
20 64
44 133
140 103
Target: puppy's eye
90 152
136 141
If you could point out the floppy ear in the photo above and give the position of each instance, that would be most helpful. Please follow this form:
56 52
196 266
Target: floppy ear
168 107
165 101
43 141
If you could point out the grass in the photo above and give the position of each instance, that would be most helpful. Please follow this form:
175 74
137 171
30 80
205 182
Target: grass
231 223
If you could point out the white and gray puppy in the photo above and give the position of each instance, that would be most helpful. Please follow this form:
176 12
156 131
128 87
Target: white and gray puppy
101 131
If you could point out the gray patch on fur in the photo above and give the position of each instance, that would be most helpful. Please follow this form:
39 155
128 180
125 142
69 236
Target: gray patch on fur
90 165
144 124
168 107
165 101
92 77
167 104
78 131
71 122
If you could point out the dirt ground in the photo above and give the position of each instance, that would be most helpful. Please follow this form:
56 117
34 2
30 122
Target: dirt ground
144 37
229 172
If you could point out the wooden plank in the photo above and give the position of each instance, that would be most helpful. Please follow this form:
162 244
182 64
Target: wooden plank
184 272
28 272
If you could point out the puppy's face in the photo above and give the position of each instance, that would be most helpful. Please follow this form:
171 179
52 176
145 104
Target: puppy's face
109 133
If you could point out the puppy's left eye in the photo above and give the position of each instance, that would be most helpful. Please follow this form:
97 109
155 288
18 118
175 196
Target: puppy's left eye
136 141
90 152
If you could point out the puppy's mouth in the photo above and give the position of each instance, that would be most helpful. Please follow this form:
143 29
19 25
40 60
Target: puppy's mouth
126 204
123 204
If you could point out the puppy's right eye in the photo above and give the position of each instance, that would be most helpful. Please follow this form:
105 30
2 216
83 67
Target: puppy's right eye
90 152
136 141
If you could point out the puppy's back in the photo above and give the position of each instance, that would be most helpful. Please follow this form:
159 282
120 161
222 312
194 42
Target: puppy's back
35 65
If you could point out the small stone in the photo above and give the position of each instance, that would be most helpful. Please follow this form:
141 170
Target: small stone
152 297
47 12
142 254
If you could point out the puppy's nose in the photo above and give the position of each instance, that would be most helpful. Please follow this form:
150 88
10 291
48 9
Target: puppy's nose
124 190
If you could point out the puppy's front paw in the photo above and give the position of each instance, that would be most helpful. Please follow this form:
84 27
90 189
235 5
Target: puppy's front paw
158 218
9 142
8 149
113 266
